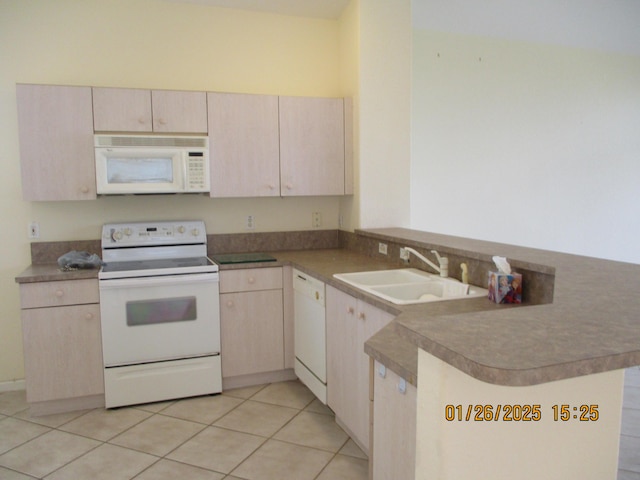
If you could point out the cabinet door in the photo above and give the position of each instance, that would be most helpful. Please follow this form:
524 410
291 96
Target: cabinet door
56 142
348 146
312 146
179 112
370 320
121 110
350 323
394 427
244 145
63 352
342 354
251 332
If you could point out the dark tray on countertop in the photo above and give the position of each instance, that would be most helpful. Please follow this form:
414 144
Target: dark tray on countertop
229 258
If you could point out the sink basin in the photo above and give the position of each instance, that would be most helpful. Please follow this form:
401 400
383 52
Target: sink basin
410 285
385 277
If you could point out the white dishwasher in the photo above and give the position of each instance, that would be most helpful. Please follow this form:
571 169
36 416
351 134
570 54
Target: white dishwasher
310 333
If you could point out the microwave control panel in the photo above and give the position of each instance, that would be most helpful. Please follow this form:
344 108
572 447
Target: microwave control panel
197 172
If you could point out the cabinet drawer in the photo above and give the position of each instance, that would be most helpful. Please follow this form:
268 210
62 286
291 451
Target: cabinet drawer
55 294
250 279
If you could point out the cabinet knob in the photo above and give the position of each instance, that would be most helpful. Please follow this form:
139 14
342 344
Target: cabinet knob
271 186
252 280
350 310
162 121
362 316
141 120
84 189
88 316
229 303
288 186
59 293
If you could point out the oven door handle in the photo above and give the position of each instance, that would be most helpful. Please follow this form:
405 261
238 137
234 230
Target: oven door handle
200 278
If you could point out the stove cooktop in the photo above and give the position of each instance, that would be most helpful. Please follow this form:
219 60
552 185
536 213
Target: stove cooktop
165 266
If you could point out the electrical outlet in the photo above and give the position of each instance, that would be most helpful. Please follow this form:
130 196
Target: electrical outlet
404 254
382 248
316 219
33 230
251 222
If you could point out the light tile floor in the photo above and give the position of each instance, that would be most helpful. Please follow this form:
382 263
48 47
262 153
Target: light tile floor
277 431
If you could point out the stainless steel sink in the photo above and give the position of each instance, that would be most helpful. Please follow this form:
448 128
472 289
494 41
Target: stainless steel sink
410 285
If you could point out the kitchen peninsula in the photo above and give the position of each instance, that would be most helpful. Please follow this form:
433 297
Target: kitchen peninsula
553 370
578 327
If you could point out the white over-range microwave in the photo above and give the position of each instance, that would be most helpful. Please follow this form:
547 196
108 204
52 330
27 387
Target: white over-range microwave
151 164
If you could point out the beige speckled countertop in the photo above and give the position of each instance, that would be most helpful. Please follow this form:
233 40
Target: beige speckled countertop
592 325
50 272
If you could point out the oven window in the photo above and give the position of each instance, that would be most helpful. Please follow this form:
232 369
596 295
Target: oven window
150 312
140 170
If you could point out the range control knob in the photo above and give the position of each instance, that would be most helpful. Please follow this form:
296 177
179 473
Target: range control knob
181 229
195 232
116 235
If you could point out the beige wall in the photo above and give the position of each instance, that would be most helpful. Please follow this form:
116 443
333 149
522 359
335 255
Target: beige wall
501 449
147 44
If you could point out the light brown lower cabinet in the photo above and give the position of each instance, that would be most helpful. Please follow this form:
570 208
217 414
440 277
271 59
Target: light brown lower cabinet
251 321
350 323
62 345
394 426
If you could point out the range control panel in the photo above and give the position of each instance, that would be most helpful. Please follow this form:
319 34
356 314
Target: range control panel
153 233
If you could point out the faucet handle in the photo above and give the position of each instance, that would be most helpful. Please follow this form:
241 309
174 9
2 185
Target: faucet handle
444 264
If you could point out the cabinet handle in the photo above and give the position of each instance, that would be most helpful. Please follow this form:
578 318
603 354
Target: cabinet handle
229 303
59 293
362 316
402 386
350 310
252 280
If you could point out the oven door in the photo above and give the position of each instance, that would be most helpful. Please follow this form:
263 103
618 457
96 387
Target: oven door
159 318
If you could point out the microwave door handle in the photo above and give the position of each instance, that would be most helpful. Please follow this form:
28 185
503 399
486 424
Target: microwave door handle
144 282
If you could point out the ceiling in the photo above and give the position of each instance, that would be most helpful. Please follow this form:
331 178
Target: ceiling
611 25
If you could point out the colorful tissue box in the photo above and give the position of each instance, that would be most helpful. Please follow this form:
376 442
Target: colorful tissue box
505 288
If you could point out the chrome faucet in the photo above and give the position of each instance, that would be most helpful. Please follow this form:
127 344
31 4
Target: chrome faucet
442 268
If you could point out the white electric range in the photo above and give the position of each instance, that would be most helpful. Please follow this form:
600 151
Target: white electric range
159 306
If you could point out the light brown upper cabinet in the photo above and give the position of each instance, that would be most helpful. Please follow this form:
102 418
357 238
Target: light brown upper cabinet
55 128
244 146
139 110
312 146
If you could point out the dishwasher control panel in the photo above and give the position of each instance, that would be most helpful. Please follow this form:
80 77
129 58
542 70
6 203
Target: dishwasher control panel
308 286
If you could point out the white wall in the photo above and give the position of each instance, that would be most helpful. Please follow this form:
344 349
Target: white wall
384 113
528 144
